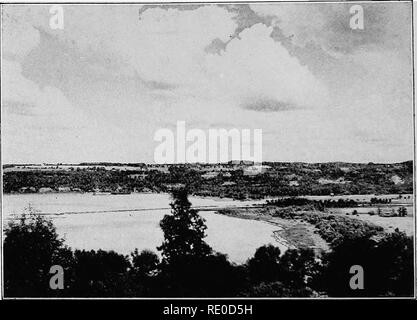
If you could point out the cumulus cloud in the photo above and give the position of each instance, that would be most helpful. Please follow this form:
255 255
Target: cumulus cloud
329 25
167 49
168 45
18 35
255 65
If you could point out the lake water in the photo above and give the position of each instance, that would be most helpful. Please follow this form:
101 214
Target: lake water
125 222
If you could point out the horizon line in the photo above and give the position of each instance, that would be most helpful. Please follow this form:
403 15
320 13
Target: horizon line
192 163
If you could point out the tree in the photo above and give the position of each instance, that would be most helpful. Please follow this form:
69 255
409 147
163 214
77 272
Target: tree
184 230
31 248
144 274
189 266
402 211
335 276
395 259
387 263
298 267
202 276
277 289
99 273
273 274
265 265
144 263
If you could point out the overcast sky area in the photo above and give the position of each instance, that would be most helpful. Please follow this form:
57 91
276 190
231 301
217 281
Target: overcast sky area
100 88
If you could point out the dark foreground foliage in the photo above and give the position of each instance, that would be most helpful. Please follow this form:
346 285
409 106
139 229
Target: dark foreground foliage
190 268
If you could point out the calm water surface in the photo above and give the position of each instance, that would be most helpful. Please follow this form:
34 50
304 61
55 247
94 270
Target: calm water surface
125 222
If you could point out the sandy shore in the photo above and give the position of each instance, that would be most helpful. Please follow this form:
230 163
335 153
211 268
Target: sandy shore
291 233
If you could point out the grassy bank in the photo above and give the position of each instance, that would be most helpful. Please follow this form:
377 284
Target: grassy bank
309 229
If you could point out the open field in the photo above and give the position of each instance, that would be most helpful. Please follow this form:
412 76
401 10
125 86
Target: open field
405 224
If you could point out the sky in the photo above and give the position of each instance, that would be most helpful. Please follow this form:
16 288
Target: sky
99 88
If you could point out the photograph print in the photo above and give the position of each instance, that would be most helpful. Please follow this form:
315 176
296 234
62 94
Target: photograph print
194 150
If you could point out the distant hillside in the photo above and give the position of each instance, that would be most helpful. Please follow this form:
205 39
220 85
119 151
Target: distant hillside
237 180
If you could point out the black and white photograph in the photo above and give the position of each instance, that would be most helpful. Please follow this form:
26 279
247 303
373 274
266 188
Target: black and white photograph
208 150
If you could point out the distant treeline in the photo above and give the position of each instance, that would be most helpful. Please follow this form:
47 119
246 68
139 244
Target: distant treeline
112 164
319 204
296 179
380 201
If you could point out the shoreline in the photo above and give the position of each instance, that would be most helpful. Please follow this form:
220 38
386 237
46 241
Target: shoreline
292 234
308 196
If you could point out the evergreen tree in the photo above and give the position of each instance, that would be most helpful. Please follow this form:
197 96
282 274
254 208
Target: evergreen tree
184 230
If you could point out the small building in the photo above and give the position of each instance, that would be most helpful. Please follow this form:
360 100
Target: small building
140 176
174 186
210 175
254 170
27 190
64 189
229 183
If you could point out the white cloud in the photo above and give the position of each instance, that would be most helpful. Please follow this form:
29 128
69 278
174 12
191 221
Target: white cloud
328 25
41 125
18 34
169 44
254 66
302 23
